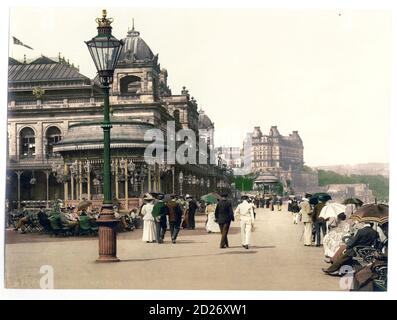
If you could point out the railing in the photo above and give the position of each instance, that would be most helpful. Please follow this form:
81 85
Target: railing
58 101
49 103
32 162
127 98
29 104
26 102
78 100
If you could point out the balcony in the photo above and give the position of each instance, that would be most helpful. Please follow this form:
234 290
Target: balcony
54 103
32 162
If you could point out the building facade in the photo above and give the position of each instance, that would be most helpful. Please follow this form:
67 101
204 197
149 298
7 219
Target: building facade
274 155
340 192
274 152
230 156
55 139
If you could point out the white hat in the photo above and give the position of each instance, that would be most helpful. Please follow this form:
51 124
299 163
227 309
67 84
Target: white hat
188 196
148 196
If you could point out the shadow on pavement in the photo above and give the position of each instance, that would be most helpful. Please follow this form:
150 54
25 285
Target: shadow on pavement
242 251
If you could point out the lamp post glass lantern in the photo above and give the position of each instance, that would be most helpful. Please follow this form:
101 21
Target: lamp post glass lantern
105 51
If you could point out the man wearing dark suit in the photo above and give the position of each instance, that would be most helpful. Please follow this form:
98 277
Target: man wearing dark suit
364 237
159 213
174 217
192 208
320 225
224 216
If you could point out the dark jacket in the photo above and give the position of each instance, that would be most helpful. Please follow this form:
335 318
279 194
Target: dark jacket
192 207
364 237
174 211
43 219
224 212
316 212
160 212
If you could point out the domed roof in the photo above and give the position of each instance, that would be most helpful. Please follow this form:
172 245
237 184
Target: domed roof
135 48
89 136
266 177
204 122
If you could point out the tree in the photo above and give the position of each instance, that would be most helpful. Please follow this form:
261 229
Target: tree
378 184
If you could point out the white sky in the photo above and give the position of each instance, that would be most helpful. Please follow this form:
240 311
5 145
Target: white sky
325 73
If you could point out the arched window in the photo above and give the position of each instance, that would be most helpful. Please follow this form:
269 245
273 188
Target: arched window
130 85
28 146
177 116
53 135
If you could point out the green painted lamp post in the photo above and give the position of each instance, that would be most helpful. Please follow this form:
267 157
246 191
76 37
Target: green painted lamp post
105 51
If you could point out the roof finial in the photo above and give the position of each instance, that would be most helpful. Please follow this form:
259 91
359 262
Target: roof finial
132 32
24 58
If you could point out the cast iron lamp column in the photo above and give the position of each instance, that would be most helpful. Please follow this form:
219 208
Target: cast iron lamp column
105 51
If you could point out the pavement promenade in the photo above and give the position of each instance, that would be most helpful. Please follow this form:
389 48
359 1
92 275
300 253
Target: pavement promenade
276 260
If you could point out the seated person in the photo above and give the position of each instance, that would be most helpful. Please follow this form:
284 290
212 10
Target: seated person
366 236
363 279
333 239
43 219
67 222
24 221
123 221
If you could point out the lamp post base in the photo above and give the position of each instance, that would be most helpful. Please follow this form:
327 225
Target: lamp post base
107 235
102 259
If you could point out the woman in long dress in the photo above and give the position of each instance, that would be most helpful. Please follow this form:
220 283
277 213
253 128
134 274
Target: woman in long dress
211 225
306 212
333 239
149 231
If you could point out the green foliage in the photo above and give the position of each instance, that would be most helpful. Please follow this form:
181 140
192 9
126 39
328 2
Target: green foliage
378 184
244 183
278 189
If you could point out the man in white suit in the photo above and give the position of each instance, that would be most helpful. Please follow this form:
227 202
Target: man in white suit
245 213
306 211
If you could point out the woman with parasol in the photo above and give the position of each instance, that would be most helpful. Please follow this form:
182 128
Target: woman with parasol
211 202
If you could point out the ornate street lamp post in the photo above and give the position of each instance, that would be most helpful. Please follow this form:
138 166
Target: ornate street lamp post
180 182
105 51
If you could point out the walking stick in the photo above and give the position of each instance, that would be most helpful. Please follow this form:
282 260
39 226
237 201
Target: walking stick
303 232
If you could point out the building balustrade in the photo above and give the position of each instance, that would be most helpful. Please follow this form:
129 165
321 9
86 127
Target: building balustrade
54 103
72 102
33 162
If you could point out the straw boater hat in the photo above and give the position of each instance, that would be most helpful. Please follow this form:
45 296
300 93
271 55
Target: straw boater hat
148 197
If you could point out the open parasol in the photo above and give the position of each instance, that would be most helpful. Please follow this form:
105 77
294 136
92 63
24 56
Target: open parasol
353 201
319 196
332 210
209 198
372 213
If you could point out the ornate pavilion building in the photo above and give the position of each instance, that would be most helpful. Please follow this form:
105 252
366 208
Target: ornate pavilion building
55 141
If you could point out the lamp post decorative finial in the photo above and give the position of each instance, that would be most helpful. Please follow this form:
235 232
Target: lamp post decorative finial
104 21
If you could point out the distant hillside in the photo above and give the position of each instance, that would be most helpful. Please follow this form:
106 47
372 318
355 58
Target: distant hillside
377 183
372 169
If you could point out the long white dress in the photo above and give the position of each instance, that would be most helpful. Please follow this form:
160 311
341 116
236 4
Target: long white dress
333 239
149 231
211 225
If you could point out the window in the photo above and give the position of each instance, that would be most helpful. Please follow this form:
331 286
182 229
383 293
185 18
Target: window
28 146
177 116
53 135
130 85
